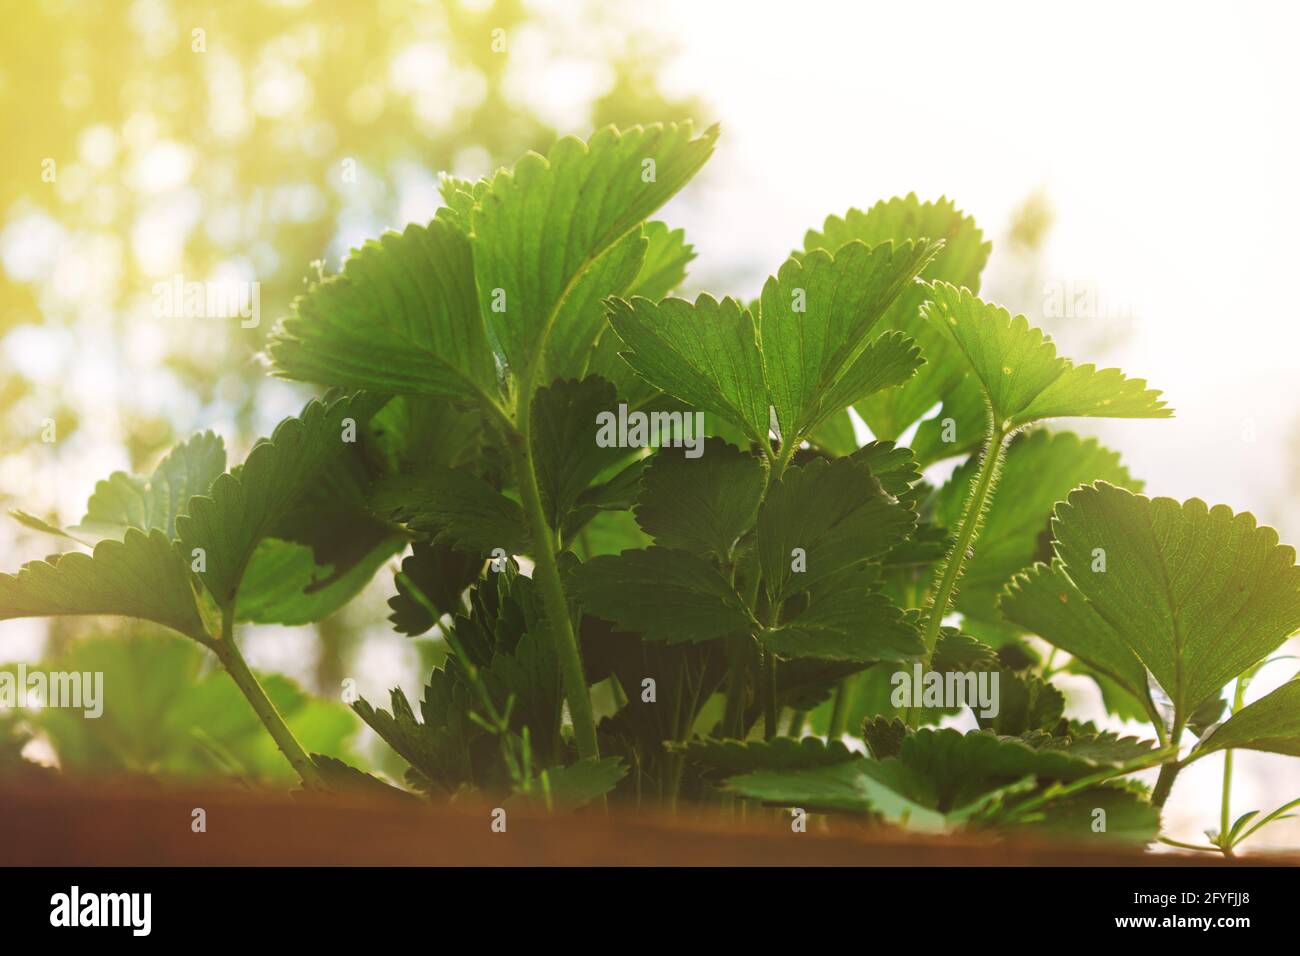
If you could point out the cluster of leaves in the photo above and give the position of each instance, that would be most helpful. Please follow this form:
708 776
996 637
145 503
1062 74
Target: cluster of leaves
720 598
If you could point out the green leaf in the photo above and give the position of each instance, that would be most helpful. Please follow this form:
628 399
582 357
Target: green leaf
1191 594
835 436
241 508
456 507
1271 724
732 757
960 427
285 585
1025 703
168 712
412 432
125 501
565 452
1129 818
939 777
702 505
1040 469
576 785
666 258
662 594
814 320
705 354
430 583
401 318
1023 378
846 623
836 512
141 576
888 413
541 232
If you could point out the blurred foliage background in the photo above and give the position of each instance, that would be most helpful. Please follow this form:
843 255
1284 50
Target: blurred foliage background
241 140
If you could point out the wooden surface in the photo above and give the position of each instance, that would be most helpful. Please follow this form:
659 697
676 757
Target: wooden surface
114 827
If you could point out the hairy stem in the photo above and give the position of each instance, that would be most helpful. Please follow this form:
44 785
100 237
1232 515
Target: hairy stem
547 574
233 661
967 532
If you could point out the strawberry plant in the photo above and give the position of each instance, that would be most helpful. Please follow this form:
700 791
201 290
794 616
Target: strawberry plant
660 564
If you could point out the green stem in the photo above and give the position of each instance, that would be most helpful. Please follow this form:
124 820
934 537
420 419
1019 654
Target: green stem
734 719
547 575
844 695
1165 782
1225 807
769 695
968 531
233 661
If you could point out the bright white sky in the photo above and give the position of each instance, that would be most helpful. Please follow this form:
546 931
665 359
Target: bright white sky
1166 137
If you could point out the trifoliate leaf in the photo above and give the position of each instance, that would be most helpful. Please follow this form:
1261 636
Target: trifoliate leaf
1191 594
126 501
401 318
566 452
814 322
888 413
823 517
1022 376
1271 724
704 353
240 509
1040 469
666 258
661 594
702 505
141 576
542 230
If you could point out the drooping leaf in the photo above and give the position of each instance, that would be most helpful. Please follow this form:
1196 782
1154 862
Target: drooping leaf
1040 469
1271 724
141 576
662 594
1023 378
704 353
401 318
559 233
814 321
836 513
888 413
1192 594
702 505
